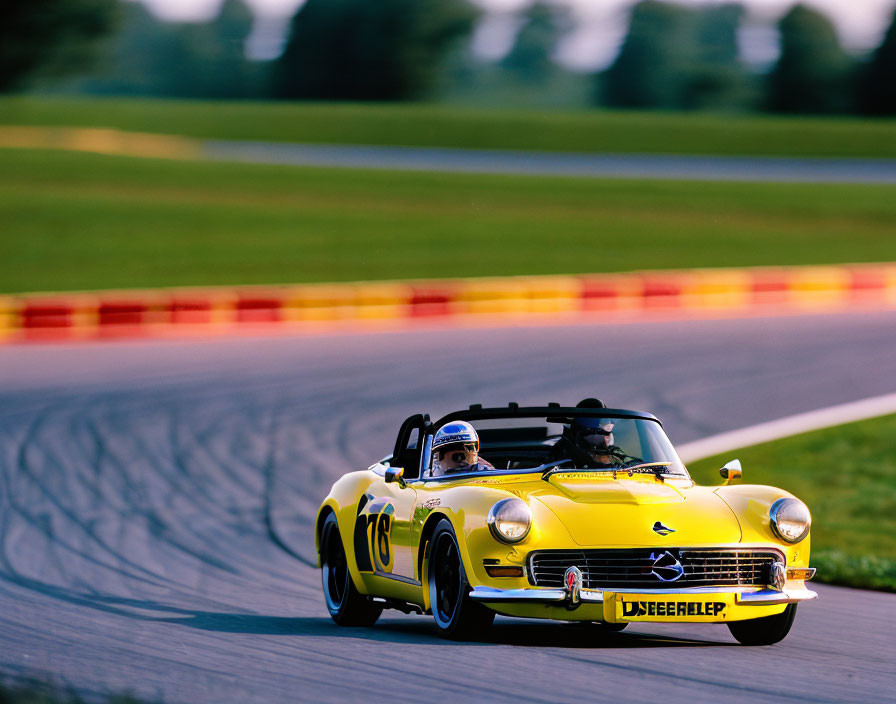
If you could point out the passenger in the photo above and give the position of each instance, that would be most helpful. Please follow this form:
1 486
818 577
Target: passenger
455 449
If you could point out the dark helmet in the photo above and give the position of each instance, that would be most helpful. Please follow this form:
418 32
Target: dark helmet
592 435
568 432
591 403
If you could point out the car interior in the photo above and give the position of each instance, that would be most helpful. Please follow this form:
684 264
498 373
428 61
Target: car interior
518 439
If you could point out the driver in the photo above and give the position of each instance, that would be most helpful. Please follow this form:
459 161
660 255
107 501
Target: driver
589 444
593 437
455 449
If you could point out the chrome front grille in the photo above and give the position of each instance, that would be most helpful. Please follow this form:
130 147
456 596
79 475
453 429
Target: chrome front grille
607 569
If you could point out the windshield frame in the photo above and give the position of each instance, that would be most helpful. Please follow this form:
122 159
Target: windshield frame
549 469
552 413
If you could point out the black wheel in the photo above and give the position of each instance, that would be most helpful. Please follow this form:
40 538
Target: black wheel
346 604
456 615
764 631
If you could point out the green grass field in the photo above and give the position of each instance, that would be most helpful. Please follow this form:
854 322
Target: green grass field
438 125
79 221
847 477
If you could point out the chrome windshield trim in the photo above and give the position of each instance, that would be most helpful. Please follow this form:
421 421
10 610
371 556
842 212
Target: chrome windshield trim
425 458
481 473
547 473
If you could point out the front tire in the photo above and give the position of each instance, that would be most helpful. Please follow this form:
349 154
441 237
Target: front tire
764 631
456 615
347 606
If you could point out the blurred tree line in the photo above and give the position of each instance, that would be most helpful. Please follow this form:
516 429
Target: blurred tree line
49 38
678 58
145 56
673 57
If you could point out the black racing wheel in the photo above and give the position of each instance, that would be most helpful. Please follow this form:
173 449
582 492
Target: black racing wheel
456 615
764 631
346 604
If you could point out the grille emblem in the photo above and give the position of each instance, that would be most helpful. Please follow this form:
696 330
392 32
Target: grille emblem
661 529
666 567
572 579
776 575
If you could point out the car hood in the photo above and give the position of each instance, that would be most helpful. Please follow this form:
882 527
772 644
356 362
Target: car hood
624 512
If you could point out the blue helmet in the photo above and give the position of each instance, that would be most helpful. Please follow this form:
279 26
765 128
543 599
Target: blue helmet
458 432
455 448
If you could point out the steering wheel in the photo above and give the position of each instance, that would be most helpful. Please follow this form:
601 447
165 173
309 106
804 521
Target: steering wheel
613 451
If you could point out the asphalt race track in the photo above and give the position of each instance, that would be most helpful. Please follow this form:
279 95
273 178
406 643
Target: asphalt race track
501 161
156 503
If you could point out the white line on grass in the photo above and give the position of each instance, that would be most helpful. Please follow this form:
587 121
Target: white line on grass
785 427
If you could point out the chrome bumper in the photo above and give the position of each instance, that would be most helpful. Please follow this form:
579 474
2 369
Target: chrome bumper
536 595
769 597
762 597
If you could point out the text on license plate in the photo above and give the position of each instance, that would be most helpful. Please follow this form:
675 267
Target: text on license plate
649 609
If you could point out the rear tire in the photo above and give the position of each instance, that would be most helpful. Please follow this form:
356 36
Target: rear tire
456 615
347 606
764 631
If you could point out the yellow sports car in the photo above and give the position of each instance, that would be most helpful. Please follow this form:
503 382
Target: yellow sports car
579 513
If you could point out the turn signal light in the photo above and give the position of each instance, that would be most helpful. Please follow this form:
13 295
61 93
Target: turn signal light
800 573
504 571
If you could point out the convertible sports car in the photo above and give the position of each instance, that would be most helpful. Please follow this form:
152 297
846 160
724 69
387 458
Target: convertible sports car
538 528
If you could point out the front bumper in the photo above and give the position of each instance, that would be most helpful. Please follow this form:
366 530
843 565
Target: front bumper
560 597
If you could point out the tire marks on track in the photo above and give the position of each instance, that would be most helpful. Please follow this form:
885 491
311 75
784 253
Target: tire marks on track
156 531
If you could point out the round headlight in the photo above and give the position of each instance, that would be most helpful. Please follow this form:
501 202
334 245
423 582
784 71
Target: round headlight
790 519
509 520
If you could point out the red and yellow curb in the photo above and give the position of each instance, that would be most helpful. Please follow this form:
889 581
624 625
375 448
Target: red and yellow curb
610 297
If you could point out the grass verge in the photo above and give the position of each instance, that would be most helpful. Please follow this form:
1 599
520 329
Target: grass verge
847 477
82 221
438 125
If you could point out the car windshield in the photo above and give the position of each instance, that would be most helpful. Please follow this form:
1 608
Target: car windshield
610 443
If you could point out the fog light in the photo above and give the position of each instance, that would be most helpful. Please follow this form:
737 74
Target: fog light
777 575
504 571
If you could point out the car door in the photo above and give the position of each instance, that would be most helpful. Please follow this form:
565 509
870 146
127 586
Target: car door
383 531
384 544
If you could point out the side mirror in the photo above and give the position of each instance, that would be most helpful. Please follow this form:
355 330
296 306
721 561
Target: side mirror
731 472
395 474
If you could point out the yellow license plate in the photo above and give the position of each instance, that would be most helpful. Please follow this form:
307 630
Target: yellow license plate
644 607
